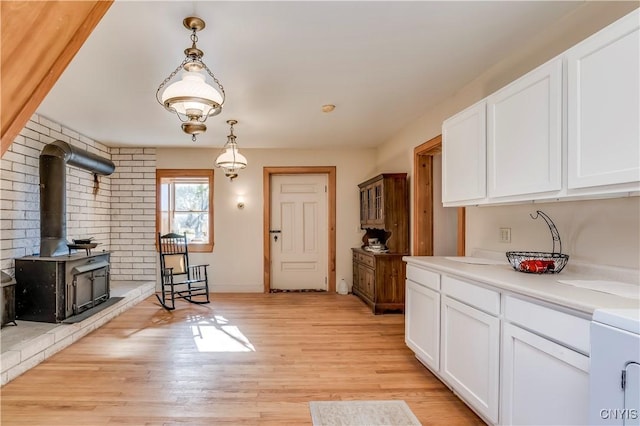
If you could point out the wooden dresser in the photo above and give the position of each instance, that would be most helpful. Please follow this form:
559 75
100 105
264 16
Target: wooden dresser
379 278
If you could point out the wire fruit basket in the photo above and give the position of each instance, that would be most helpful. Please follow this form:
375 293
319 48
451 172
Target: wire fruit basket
539 262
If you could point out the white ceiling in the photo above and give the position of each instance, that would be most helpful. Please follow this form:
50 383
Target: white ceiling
382 63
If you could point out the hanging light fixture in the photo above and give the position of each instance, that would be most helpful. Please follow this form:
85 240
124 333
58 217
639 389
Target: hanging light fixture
192 99
231 161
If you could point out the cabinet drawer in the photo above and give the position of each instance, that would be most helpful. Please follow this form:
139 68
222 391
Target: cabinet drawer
423 277
560 326
471 294
366 259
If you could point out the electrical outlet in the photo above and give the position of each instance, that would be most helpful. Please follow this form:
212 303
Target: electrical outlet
505 235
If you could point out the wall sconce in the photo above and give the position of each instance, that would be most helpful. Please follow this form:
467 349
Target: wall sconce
240 203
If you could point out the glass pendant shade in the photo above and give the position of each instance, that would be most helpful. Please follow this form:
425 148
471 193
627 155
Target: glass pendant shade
192 96
231 161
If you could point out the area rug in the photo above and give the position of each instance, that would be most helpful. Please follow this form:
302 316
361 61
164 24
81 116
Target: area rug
362 413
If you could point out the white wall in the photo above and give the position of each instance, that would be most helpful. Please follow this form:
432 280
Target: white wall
598 231
237 258
610 241
133 214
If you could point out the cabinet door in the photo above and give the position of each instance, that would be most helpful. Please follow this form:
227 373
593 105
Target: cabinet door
366 281
371 203
603 106
422 323
470 355
378 202
464 157
632 393
524 134
543 383
364 207
356 276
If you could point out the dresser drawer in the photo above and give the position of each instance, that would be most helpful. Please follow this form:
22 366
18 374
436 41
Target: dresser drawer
482 298
423 277
366 259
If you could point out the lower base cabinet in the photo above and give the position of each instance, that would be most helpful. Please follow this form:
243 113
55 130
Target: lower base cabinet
422 323
471 355
512 359
543 383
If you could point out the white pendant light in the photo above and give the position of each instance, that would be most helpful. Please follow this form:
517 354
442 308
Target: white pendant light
192 99
231 161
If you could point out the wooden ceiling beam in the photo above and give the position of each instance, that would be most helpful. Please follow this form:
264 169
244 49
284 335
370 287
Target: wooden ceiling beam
39 40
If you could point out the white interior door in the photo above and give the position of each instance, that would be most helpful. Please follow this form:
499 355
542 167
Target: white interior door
299 251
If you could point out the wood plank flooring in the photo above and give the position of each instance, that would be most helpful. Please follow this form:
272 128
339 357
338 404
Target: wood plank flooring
244 359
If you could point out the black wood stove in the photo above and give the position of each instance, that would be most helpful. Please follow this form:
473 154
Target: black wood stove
57 284
52 289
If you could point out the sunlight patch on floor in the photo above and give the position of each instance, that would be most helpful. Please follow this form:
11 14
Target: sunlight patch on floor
215 335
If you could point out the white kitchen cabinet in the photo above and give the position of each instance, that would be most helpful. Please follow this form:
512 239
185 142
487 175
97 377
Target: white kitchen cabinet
543 382
422 323
570 129
464 157
524 128
544 366
604 108
470 355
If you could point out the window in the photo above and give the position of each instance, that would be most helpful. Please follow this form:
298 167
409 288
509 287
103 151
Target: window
184 204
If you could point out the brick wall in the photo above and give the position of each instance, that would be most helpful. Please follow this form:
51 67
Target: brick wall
133 214
87 214
121 216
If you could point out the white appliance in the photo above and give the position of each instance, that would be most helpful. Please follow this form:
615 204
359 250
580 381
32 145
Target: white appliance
614 389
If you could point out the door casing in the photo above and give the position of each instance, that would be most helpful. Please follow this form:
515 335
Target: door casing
423 200
330 171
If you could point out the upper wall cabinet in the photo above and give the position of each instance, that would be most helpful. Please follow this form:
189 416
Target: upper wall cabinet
568 129
604 107
464 153
524 134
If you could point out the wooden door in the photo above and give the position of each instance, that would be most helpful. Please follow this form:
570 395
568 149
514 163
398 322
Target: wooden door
298 230
428 212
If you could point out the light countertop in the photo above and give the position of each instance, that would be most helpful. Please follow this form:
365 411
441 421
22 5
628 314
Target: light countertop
545 287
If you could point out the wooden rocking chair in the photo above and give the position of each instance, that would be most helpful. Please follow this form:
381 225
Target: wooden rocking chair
179 280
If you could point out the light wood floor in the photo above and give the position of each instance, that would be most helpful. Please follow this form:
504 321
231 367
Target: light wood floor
244 359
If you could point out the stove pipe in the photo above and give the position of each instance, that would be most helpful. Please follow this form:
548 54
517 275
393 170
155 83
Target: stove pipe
53 198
